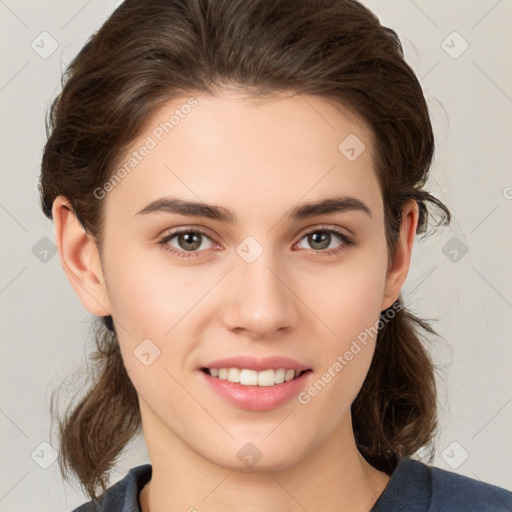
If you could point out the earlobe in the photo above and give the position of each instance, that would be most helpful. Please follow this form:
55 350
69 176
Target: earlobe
399 268
79 258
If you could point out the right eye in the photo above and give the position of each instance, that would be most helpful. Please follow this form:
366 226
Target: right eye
189 241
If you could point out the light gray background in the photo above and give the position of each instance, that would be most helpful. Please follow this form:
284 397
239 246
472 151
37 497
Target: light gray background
44 326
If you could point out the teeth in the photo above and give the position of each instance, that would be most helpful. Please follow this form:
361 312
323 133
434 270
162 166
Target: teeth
252 377
279 376
233 375
249 377
289 375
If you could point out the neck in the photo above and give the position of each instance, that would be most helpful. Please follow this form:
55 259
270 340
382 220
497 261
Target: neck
334 477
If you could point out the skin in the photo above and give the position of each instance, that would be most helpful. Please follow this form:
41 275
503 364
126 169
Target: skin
259 158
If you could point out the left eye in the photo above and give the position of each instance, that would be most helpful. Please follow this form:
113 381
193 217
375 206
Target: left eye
322 238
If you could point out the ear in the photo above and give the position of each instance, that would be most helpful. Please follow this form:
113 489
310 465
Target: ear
80 259
399 266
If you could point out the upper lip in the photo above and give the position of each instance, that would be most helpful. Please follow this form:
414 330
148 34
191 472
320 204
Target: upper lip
257 364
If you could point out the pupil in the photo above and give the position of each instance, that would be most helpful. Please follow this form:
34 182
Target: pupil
324 239
190 238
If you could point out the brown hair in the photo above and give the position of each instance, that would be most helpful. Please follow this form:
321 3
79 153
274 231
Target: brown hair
149 52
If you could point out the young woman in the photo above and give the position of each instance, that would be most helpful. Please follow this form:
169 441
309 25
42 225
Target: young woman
236 188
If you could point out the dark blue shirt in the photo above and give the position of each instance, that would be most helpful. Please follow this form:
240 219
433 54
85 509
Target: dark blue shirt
413 487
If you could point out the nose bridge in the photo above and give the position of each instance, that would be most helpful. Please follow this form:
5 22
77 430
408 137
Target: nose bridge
260 302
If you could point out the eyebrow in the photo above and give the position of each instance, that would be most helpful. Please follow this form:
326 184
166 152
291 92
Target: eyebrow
337 204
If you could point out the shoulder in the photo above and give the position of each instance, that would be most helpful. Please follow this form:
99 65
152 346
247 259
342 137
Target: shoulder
417 487
123 496
467 493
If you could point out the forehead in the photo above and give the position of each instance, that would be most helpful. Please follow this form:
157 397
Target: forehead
256 154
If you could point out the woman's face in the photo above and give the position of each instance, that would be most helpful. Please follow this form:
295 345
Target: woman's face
271 281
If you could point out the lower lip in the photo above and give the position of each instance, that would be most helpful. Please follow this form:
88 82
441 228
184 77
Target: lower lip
257 398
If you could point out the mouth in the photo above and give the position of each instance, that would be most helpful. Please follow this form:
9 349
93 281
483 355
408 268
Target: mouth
246 377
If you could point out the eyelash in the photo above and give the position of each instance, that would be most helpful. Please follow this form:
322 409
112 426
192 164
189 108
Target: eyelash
347 241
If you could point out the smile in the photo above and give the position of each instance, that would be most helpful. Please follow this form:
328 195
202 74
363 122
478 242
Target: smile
247 377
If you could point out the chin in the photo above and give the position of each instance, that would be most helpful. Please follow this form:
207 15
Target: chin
254 457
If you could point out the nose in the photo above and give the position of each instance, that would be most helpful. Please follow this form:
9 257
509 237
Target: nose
261 300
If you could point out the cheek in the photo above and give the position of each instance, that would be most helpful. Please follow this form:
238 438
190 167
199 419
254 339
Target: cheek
349 307
351 310
148 298
349 298
159 309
